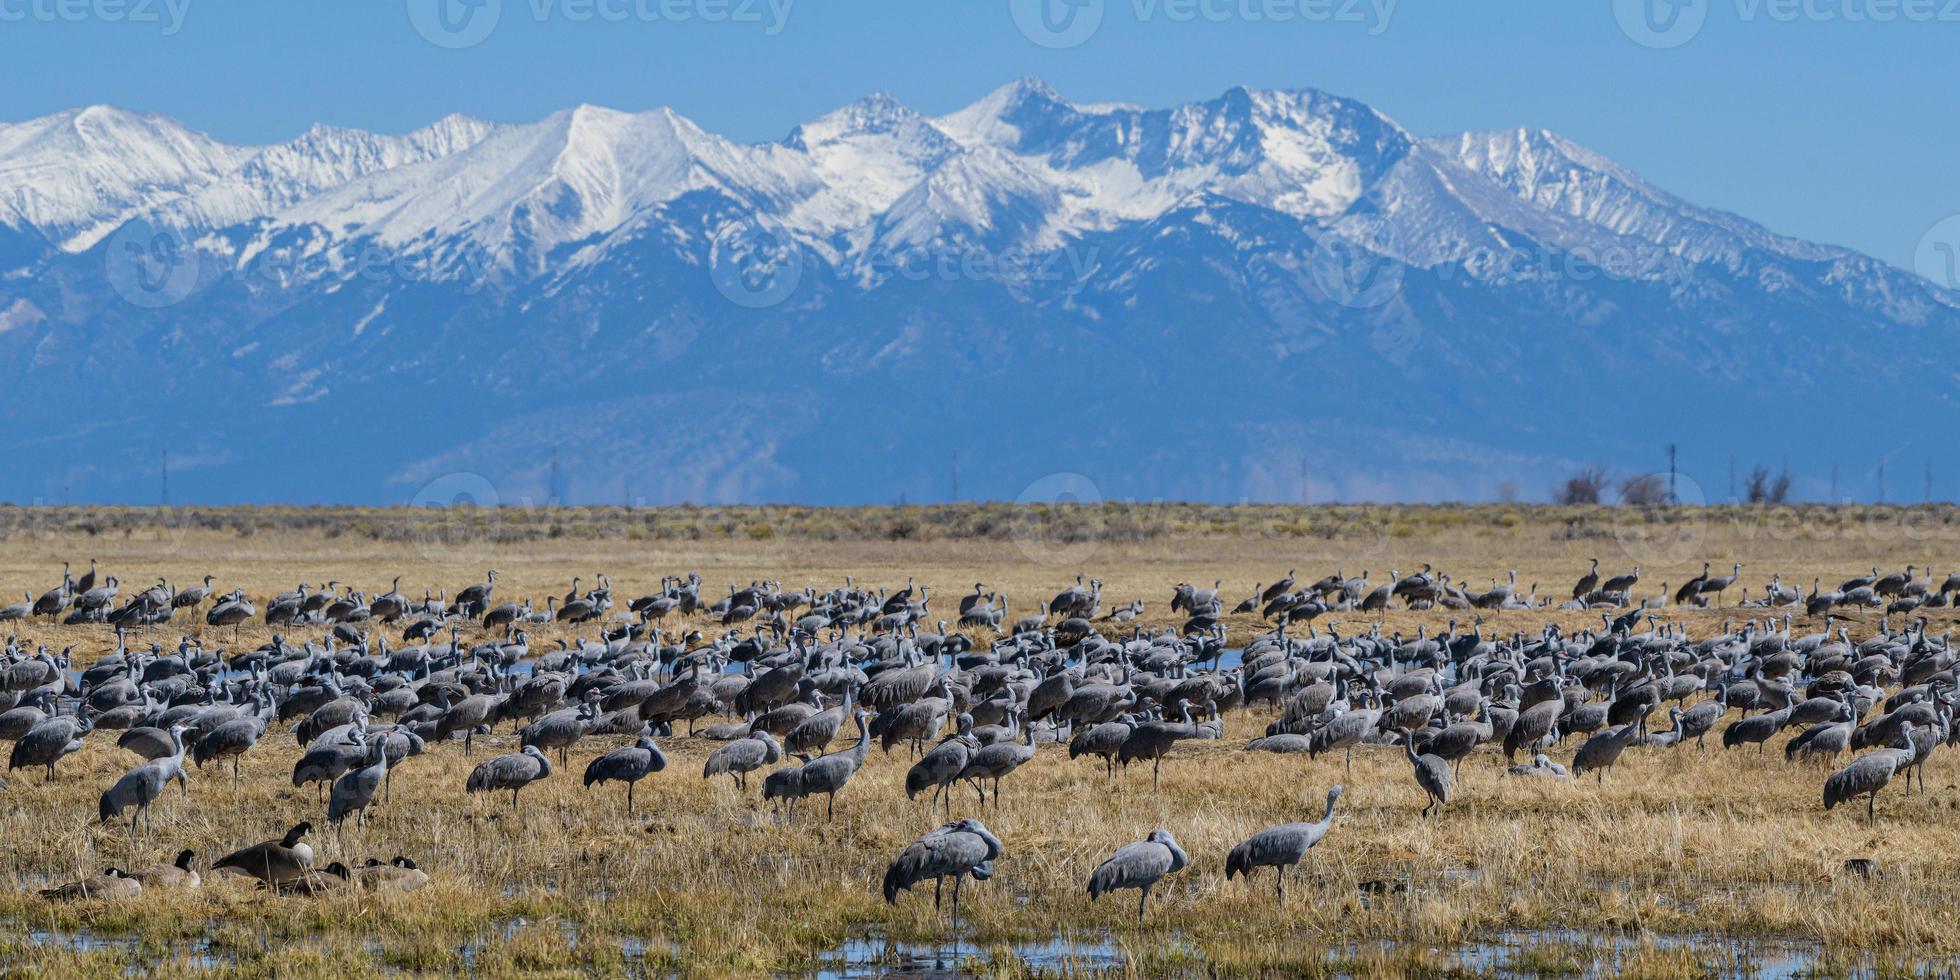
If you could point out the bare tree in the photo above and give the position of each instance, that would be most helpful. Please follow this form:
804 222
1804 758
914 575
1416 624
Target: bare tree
1644 490
1583 487
1761 489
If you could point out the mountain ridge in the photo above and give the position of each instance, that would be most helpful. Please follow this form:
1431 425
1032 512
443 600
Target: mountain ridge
1310 280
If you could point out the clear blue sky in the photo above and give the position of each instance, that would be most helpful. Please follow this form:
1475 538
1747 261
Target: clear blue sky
1819 127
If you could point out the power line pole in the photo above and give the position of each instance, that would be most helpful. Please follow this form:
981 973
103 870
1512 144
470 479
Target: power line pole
1834 493
1304 495
1672 497
163 491
1881 482
551 496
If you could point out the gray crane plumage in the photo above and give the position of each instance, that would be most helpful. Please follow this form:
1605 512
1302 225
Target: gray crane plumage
743 756
513 772
140 786
1140 865
958 850
1280 847
629 764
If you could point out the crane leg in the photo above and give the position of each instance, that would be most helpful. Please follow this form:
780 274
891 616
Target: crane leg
938 886
830 810
1871 808
1145 897
956 895
629 799
1279 887
1156 772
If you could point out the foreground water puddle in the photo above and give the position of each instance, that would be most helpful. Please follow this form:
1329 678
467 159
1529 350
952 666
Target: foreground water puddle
878 956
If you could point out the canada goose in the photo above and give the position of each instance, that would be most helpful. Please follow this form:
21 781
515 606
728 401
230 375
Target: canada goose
333 877
273 862
179 874
111 883
401 875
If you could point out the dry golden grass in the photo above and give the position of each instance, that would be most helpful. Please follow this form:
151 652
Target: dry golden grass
1709 845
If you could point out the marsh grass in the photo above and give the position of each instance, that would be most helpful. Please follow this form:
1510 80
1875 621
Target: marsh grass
1678 856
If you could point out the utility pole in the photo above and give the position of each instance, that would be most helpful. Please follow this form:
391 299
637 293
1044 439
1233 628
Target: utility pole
1881 481
1834 495
1672 497
551 496
163 491
1304 495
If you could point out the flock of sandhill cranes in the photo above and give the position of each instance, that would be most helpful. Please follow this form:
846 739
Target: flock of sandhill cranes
792 671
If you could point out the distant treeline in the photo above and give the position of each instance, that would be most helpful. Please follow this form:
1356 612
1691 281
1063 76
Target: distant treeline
1054 523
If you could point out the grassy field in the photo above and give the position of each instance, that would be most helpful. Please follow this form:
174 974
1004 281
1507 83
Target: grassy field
1683 862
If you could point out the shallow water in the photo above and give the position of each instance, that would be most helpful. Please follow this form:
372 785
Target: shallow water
882 957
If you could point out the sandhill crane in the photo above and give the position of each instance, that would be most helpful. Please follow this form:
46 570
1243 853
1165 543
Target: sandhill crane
1153 739
628 765
140 786
1598 753
942 766
1541 765
1584 586
475 598
512 771
112 883
1140 865
1280 847
998 761
272 862
1720 583
1432 774
46 743
354 791
1690 589
1104 740
965 848
829 774
1865 776
230 739
743 756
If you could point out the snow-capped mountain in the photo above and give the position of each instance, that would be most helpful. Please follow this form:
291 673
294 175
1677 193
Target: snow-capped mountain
1191 302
